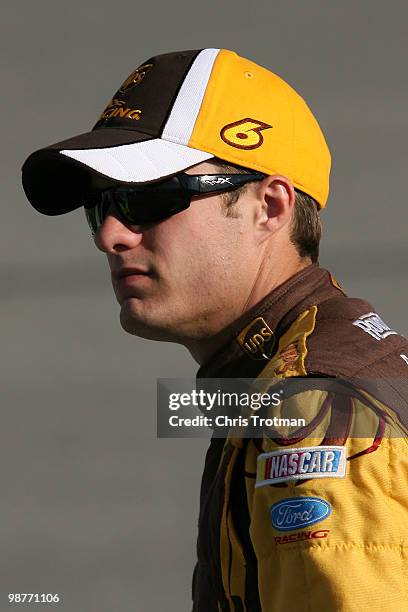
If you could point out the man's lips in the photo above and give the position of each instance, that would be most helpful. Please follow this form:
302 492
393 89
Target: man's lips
117 275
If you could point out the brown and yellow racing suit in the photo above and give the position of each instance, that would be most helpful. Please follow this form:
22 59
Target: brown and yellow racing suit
317 520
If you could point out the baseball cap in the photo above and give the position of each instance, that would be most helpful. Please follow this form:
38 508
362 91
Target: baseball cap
177 110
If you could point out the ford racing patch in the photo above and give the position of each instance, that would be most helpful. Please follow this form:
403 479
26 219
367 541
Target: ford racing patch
299 512
301 464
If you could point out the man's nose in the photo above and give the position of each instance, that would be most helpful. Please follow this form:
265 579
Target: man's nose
114 236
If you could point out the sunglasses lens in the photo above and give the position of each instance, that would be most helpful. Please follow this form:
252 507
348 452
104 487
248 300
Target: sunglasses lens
138 205
95 211
152 203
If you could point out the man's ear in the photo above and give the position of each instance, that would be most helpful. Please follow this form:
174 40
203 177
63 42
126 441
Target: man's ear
276 201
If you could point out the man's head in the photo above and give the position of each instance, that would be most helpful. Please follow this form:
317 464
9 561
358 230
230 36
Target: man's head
181 112
203 267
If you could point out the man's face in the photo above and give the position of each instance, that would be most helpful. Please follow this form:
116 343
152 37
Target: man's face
198 268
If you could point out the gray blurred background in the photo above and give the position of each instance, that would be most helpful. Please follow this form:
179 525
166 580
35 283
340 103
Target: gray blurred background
94 507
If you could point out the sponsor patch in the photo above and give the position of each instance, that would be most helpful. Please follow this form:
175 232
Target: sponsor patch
301 464
257 339
302 536
372 324
299 512
135 78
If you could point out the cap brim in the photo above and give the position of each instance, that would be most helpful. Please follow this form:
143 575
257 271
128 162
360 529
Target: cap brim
57 178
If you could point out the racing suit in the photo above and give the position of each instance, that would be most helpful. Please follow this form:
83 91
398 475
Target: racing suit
317 520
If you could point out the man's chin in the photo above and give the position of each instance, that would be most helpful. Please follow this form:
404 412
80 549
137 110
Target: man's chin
137 325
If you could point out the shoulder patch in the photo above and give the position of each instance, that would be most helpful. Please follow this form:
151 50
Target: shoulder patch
372 324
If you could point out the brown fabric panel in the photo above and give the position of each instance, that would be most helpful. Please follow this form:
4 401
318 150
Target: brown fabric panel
339 348
241 520
208 587
154 95
99 139
279 308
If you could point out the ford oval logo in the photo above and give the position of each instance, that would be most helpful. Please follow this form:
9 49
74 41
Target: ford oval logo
299 512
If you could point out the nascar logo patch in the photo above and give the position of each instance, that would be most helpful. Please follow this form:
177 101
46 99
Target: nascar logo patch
301 464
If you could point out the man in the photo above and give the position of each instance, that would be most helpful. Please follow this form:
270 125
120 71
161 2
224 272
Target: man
201 182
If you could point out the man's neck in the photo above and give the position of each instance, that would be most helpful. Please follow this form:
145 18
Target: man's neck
203 349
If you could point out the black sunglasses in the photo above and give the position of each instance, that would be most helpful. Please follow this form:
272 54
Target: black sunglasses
143 204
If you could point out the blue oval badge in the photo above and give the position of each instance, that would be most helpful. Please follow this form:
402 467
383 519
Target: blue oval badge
299 512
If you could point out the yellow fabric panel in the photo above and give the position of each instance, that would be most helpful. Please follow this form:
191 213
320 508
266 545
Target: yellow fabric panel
362 563
277 132
289 359
340 579
309 405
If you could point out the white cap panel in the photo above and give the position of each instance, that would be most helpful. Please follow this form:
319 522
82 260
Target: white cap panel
141 161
